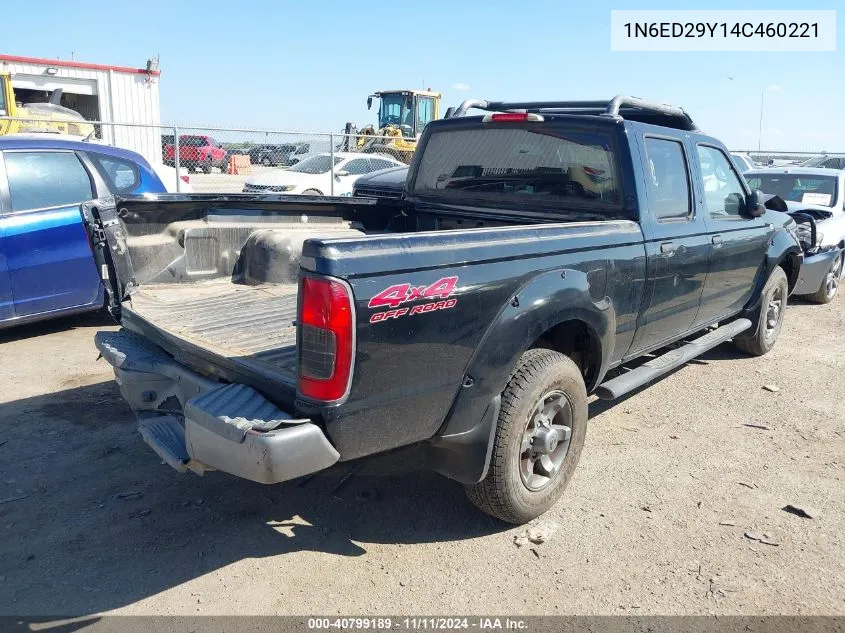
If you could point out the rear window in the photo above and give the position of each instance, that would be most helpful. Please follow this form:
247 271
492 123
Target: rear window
793 187
544 165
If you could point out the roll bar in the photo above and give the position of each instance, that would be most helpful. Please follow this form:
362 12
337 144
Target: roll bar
618 107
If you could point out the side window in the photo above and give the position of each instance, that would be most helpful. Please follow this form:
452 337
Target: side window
668 179
46 179
121 175
723 192
357 166
426 112
379 163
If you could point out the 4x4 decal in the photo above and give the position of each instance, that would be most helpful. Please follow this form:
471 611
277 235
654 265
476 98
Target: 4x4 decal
397 294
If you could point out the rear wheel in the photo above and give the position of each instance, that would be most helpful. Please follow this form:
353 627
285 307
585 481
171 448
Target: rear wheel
265 160
539 437
762 336
830 284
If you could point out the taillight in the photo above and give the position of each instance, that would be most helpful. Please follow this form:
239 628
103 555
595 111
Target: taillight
511 117
326 338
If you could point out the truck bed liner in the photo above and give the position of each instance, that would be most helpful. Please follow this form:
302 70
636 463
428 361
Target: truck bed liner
252 323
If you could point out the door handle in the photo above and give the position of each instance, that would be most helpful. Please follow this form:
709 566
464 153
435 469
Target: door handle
716 240
668 248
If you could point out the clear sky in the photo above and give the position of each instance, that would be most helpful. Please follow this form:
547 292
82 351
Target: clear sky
309 65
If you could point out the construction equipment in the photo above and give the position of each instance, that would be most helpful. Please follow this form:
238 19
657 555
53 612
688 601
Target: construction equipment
49 117
402 115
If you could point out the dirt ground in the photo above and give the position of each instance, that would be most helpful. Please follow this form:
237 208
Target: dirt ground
670 481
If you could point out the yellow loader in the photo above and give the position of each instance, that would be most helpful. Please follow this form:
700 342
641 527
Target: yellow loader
47 117
402 115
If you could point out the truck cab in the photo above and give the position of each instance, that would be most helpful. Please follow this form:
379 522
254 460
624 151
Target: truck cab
408 110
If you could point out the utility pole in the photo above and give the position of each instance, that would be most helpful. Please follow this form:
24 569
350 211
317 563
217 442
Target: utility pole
760 130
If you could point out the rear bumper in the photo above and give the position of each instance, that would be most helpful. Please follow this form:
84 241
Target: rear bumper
813 272
195 423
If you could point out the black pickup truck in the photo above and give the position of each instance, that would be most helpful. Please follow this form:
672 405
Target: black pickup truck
543 252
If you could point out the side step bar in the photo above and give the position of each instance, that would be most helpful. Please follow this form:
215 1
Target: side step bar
672 359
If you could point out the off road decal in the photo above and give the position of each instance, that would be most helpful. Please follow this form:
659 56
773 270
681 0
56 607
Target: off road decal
397 294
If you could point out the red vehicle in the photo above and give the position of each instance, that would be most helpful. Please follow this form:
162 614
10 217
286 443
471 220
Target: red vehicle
195 152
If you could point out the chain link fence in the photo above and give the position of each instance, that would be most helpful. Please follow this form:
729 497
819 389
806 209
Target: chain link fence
235 160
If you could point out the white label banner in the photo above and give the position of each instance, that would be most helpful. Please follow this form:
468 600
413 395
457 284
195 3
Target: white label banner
729 30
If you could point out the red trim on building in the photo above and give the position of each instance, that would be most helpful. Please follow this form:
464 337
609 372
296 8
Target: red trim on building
63 63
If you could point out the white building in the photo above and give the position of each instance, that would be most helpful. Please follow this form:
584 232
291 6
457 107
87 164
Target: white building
98 92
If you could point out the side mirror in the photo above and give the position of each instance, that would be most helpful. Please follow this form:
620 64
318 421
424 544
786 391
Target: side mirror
341 174
754 206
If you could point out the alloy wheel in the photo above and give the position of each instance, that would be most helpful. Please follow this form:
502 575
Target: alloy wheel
545 440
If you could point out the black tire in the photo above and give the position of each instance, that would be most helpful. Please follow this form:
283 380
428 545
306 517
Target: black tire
265 160
206 167
763 334
505 492
830 285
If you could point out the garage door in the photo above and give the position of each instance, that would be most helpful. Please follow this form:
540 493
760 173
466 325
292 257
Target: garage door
49 83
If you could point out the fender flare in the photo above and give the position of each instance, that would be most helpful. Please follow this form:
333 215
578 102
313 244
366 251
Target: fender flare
461 449
782 248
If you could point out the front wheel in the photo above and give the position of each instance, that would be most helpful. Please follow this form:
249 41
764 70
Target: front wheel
762 336
830 284
538 441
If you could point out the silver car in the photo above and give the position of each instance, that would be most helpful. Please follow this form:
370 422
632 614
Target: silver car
815 198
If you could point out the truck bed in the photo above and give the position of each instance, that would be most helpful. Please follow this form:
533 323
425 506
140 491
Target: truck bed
250 325
213 280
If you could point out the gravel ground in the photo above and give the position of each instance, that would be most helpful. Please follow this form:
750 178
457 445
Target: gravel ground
670 480
217 182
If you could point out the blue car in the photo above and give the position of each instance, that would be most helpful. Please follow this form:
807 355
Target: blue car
47 266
